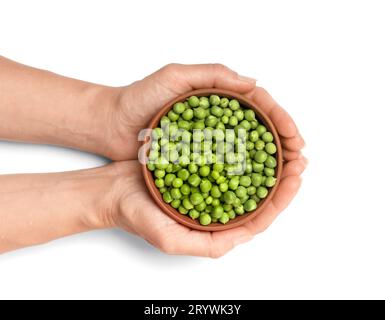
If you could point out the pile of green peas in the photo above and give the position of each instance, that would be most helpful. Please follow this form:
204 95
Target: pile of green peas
206 171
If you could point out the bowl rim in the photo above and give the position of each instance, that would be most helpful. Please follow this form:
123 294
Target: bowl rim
238 220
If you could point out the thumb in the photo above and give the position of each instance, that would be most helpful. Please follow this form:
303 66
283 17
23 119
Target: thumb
182 78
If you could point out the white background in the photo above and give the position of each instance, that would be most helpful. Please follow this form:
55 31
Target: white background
322 60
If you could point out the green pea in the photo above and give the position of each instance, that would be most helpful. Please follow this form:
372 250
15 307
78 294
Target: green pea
175 193
223 187
250 205
245 181
270 162
194 214
239 210
251 190
151 166
233 121
167 197
204 171
193 168
227 207
194 180
184 161
221 179
227 112
229 197
196 198
215 100
269 172
164 121
255 198
187 203
262 192
201 207
198 125
161 163
215 203
177 182
256 179
224 218
217 212
270 181
162 190
205 185
215 192
224 102
267 137
233 183
249 115
183 174
270 148
193 101
241 192
194 190
218 167
231 214
169 178
182 210
179 107
204 102
159 183
216 111
260 156
172 115
157 133
175 203
211 121
199 113
220 126
209 200
234 104
261 129
188 114
215 174
159 173
254 124
258 167
225 119
239 115
245 124
205 219
185 189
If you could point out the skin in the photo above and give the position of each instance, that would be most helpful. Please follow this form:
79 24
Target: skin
41 107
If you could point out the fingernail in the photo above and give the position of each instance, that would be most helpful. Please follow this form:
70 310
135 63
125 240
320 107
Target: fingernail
247 79
242 240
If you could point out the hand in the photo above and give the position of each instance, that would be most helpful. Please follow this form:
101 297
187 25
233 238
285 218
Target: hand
137 212
138 103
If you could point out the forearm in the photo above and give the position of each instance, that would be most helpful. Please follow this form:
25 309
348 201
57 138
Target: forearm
42 107
37 208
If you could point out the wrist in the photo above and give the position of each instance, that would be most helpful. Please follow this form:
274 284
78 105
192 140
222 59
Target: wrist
108 187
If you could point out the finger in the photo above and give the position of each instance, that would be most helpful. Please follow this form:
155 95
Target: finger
282 120
293 144
284 195
294 167
225 241
290 155
212 245
189 77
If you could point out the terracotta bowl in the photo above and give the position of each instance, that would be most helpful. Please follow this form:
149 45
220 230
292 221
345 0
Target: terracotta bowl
239 220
